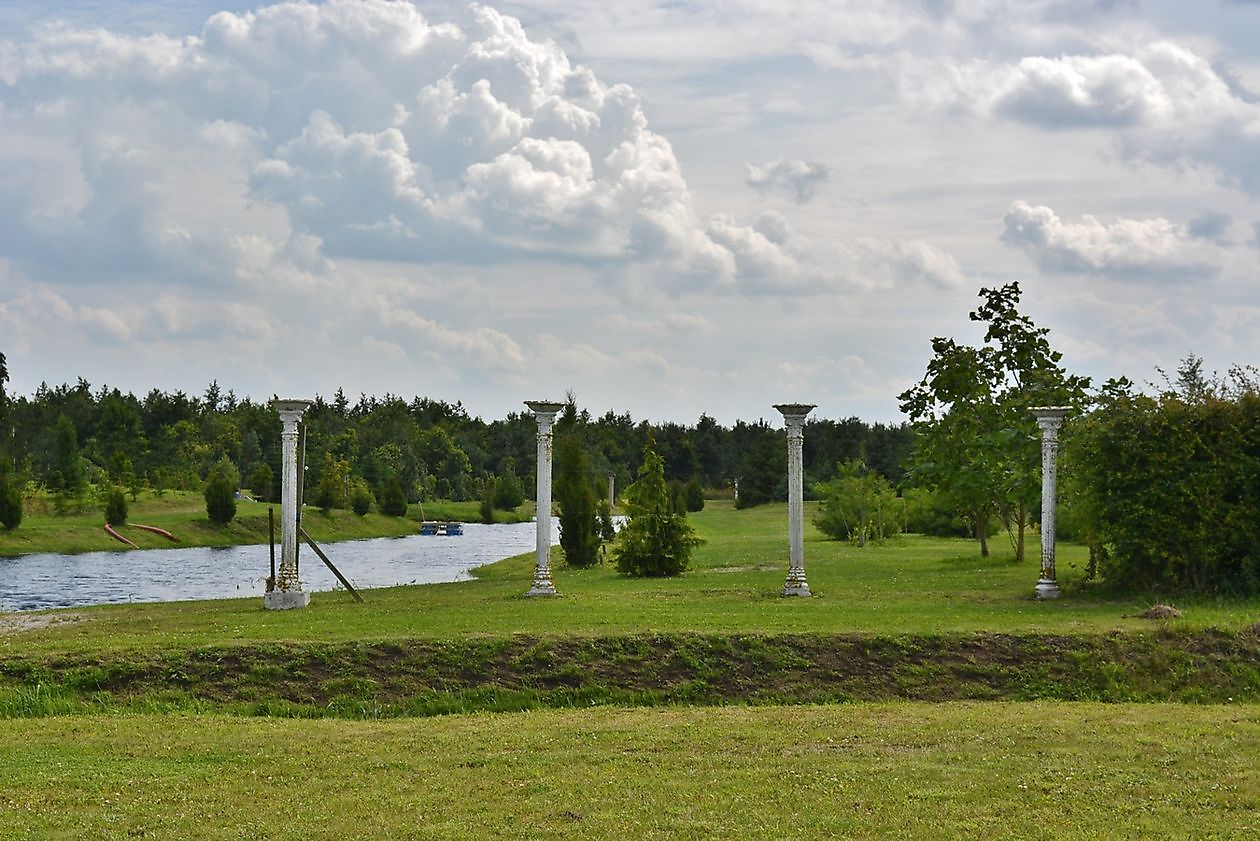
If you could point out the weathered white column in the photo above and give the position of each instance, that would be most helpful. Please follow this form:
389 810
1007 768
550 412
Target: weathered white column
545 413
794 415
288 592
612 491
1048 418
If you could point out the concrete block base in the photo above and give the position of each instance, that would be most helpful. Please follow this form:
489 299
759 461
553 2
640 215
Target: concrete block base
545 588
286 599
1047 589
797 590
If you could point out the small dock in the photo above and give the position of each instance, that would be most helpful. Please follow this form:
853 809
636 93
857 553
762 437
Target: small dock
435 528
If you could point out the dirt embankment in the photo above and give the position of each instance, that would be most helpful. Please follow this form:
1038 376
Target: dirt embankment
420 676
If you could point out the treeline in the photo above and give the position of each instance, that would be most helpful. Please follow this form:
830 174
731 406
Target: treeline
70 437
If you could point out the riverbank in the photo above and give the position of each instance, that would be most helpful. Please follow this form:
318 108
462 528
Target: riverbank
183 514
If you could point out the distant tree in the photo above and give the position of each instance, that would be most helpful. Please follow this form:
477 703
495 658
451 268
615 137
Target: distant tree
67 477
579 537
392 500
334 484
693 494
360 497
220 492
763 466
116 507
486 507
508 493
261 481
655 541
10 500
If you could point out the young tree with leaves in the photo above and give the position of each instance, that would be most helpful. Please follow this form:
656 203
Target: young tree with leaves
975 436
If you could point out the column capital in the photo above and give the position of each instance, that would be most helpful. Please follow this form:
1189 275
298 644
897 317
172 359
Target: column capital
794 414
290 411
1050 417
544 409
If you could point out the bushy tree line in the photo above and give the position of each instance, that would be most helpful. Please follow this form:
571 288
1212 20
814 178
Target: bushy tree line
1166 487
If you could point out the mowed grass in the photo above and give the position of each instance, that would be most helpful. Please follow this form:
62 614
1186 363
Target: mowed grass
183 513
991 770
910 585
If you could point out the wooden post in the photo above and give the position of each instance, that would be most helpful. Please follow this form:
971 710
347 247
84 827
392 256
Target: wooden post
301 491
329 564
271 534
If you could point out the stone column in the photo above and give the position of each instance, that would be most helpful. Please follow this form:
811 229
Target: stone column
545 413
612 491
288 592
1048 418
794 415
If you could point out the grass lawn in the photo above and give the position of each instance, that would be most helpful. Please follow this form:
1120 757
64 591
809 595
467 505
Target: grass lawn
911 585
183 513
862 770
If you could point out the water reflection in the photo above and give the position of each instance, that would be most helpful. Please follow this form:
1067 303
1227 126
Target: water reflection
34 582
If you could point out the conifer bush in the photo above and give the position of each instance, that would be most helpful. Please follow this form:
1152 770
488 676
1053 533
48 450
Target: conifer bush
116 507
655 541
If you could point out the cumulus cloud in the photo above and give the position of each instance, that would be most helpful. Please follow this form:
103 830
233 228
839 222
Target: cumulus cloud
800 180
1149 249
300 133
1167 103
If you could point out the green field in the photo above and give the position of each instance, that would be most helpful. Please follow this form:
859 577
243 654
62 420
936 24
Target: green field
840 771
911 585
184 514
687 707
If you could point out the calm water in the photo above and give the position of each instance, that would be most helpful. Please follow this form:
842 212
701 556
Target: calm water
34 582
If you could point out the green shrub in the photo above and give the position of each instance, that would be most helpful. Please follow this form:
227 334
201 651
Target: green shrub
261 483
508 493
116 507
693 493
486 508
360 497
392 500
655 541
859 505
929 512
220 492
1168 487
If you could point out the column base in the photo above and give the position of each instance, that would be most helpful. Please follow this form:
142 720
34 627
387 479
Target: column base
1047 588
286 599
796 585
542 587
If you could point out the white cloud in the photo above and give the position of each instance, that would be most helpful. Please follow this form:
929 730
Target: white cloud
800 180
1167 103
357 129
1143 249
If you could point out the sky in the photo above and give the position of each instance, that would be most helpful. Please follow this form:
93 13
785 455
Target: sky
666 207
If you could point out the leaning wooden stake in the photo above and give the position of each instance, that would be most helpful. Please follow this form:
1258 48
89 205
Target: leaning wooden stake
301 490
271 532
329 564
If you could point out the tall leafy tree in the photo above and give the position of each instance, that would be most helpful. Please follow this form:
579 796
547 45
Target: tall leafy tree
975 437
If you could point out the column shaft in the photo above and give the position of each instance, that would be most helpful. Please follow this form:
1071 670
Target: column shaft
545 413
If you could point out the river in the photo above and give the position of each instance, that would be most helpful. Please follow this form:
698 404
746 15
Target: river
36 582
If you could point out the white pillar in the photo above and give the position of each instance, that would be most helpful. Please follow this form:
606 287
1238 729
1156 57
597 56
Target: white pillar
288 592
545 413
1048 418
794 416
612 491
